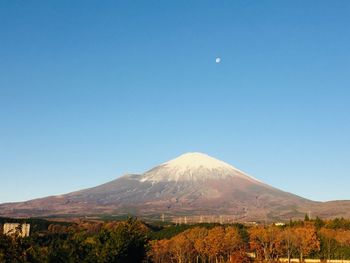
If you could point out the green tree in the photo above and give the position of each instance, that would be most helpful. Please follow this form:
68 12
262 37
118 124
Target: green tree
306 218
125 243
319 223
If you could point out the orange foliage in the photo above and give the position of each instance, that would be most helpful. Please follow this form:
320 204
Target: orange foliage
160 251
265 241
306 240
343 237
218 244
214 242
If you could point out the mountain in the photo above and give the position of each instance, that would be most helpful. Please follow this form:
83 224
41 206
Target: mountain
194 185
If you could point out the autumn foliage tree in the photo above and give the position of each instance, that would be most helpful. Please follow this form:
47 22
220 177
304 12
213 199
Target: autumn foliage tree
286 242
343 239
233 244
214 243
160 251
197 236
265 242
306 240
128 241
328 236
218 245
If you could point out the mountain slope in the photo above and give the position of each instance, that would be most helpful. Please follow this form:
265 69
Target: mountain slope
193 184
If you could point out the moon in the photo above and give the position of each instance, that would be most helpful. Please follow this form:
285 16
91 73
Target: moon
218 60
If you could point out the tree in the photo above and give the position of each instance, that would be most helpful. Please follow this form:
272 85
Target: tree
306 240
232 242
319 223
182 248
214 243
286 242
200 244
196 236
264 241
125 243
7 248
160 251
329 243
343 239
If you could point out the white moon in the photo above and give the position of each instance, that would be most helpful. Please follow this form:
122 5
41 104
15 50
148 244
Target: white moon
218 60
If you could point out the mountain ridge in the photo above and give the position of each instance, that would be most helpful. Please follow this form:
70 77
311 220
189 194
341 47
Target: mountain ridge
193 184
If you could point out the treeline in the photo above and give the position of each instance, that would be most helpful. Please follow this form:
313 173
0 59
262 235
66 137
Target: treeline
135 241
86 242
199 244
262 243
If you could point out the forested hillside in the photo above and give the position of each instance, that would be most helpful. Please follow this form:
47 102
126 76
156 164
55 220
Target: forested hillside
135 241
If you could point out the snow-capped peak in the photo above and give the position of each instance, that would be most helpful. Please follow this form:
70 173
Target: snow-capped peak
193 167
195 160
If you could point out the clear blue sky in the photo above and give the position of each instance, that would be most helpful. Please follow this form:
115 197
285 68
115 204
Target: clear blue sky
91 90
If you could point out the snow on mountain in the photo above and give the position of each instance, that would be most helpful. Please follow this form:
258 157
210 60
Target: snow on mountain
194 184
196 160
193 167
